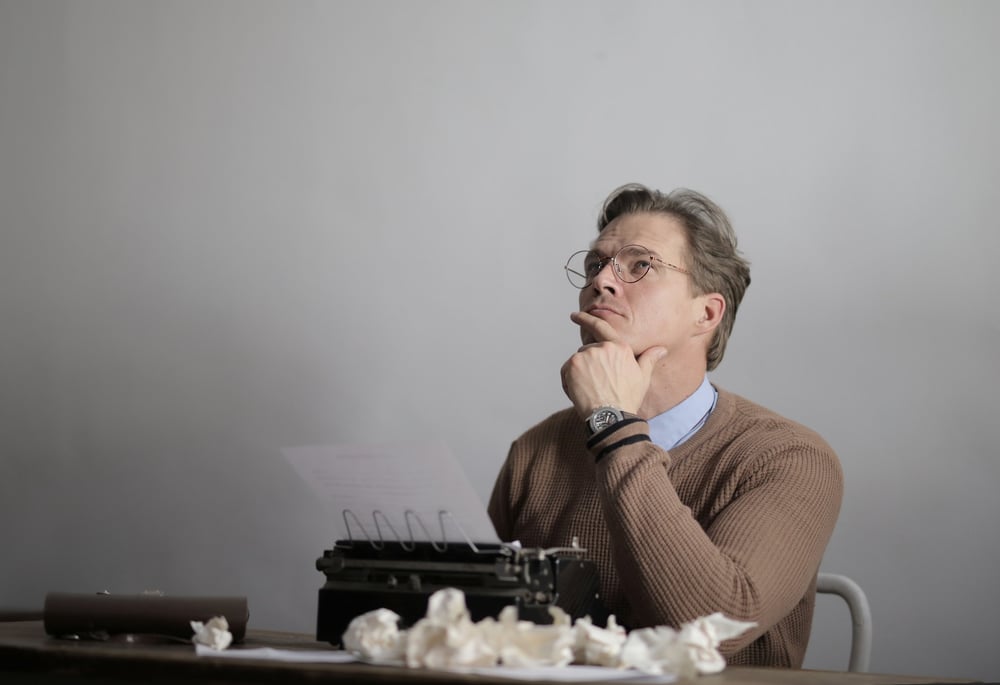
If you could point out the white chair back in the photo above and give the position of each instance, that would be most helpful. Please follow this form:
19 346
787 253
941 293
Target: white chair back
861 616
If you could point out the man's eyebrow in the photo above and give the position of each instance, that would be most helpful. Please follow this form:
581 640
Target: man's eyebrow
608 254
652 252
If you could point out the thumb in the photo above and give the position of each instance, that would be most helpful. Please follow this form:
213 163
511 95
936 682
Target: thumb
649 359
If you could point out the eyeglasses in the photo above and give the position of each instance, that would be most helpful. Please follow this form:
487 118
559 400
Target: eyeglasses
630 263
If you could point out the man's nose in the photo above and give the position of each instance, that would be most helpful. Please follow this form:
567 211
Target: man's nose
606 277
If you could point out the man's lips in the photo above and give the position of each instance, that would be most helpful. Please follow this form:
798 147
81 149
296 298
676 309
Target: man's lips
602 310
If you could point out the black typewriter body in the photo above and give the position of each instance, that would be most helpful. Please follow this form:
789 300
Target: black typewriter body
363 576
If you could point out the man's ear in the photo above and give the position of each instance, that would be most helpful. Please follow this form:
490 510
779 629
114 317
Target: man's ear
710 309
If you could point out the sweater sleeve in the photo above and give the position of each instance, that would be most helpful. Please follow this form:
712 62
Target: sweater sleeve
756 556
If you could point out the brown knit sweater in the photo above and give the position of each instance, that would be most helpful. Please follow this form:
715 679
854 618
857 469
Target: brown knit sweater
734 520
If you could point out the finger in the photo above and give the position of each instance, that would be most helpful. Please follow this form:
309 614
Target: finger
599 329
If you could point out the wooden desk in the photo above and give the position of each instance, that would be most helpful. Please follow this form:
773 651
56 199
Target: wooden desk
28 655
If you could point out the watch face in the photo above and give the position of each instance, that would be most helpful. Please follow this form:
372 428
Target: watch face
603 418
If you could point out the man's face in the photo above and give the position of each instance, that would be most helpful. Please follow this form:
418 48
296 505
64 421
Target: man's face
659 309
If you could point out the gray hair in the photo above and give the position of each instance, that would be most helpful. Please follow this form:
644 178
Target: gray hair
715 263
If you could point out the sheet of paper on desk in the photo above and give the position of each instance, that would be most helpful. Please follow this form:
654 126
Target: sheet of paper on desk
565 674
574 674
393 480
295 656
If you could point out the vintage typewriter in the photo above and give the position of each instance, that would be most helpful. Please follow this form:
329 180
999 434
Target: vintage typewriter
364 575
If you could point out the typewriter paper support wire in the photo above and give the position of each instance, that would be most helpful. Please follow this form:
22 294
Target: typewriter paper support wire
410 543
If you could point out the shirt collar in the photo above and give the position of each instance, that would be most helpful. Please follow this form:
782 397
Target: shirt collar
677 424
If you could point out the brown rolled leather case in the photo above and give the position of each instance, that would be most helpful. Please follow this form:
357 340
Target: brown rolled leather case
88 615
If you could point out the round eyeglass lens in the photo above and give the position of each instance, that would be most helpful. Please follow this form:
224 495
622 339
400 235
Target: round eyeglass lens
633 262
581 267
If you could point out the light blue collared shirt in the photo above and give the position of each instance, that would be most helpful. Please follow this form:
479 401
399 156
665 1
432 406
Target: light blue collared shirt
674 426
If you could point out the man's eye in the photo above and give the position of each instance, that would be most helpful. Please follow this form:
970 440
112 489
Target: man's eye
593 266
639 266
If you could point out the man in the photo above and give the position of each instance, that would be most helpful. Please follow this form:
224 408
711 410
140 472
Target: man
689 499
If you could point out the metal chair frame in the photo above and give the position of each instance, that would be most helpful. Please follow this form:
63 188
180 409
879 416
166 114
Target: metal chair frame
861 616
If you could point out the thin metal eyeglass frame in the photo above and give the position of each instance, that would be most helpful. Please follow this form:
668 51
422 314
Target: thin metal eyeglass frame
617 267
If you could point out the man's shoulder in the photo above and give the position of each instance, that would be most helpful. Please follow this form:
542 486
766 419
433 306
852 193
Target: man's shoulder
749 417
762 445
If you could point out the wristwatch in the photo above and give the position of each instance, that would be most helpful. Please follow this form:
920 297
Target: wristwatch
602 417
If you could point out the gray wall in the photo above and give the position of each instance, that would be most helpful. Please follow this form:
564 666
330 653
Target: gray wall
232 227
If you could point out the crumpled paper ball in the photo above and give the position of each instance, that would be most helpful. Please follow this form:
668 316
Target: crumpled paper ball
655 651
701 639
446 637
598 646
529 645
376 635
214 633
692 650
